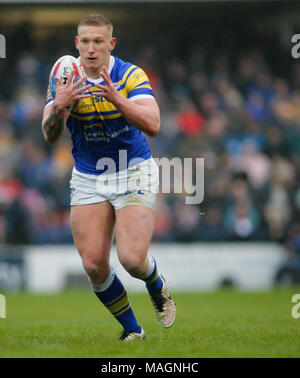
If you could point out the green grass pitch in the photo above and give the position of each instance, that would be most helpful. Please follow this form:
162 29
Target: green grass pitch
224 323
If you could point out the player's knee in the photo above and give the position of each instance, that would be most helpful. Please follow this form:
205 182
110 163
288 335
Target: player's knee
133 264
95 268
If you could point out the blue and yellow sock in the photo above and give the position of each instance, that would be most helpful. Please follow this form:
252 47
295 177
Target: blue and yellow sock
114 297
152 277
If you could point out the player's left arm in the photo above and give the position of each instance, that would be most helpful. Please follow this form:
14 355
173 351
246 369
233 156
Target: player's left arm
143 113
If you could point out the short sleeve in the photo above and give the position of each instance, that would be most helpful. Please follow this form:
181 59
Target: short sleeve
138 85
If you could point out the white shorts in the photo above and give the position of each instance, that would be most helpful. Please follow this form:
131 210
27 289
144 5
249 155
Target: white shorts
137 185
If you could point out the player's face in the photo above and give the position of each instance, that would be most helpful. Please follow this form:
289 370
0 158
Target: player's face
95 44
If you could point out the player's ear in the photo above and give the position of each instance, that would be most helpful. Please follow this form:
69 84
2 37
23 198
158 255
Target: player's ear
77 42
113 43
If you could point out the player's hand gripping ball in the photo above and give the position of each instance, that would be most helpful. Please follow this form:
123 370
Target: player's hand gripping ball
62 69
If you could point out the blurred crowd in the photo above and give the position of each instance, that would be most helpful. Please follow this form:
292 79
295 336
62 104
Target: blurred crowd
235 108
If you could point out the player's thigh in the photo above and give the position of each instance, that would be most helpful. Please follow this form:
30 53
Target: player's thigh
134 229
92 227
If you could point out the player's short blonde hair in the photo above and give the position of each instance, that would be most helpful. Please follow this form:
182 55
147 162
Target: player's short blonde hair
96 19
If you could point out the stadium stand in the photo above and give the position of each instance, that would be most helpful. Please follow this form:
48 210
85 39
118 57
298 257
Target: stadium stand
236 105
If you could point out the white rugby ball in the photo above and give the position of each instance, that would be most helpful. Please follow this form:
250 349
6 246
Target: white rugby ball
62 69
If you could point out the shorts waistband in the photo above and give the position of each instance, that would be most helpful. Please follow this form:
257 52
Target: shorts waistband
118 173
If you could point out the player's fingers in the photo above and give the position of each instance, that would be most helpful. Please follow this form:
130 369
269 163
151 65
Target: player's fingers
78 82
58 81
70 78
105 72
103 87
106 76
78 97
99 94
82 89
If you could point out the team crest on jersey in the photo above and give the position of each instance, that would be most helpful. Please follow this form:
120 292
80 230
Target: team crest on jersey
139 75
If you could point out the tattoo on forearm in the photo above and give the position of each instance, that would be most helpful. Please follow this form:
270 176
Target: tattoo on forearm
53 126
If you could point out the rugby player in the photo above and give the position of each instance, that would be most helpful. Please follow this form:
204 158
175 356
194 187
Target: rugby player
115 108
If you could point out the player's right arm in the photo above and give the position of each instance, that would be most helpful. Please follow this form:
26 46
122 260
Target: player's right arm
53 123
56 114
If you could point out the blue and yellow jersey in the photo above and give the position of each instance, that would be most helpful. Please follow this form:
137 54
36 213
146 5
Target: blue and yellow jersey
97 127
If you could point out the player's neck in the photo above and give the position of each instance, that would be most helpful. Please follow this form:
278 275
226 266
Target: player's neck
93 73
